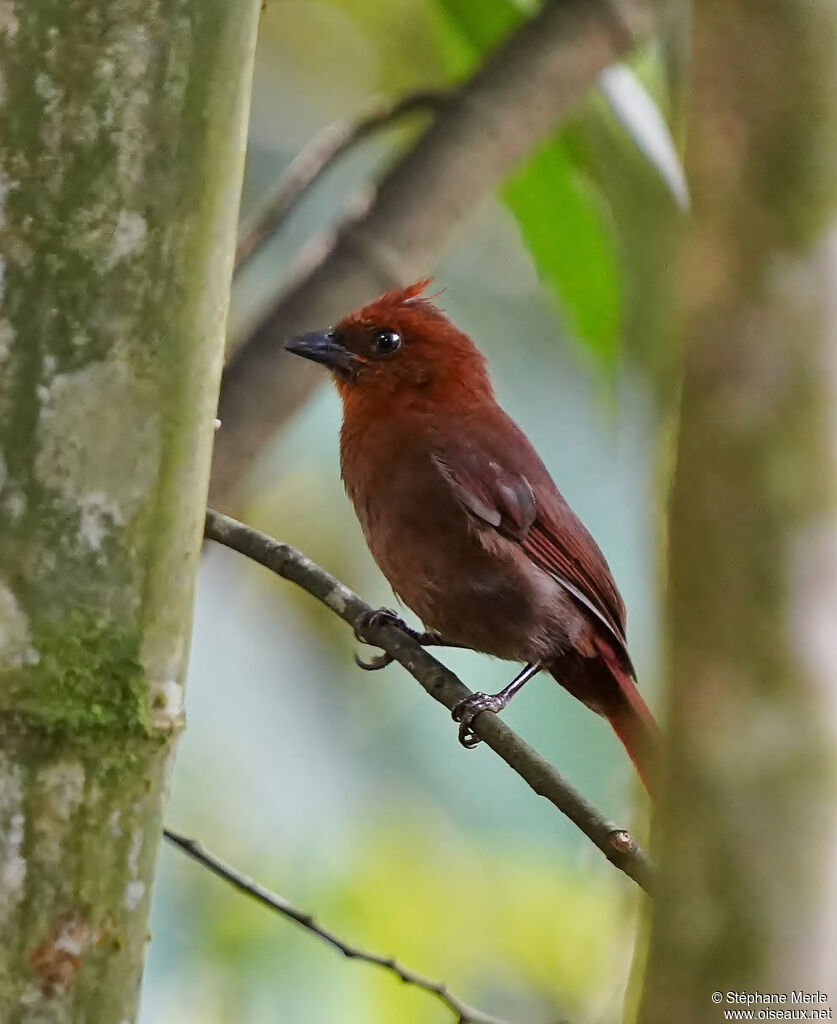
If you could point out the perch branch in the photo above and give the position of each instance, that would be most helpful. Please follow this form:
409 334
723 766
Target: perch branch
192 848
324 150
399 231
615 843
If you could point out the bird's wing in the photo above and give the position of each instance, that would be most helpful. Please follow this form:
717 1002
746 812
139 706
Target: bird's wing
485 488
575 558
532 512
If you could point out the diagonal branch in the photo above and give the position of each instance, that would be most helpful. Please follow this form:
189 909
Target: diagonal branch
398 233
615 843
192 848
324 150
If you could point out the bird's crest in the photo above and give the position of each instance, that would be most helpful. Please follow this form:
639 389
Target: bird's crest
408 297
412 291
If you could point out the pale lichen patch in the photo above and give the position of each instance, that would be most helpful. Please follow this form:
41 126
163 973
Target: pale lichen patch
12 865
62 787
135 887
53 123
97 233
15 504
9 23
128 50
134 852
164 659
336 600
134 892
7 336
128 237
167 705
14 630
30 995
12 830
98 516
6 186
47 90
99 443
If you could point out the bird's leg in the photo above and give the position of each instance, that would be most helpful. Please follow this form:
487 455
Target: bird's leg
385 616
466 710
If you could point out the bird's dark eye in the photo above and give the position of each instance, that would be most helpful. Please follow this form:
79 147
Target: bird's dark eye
385 342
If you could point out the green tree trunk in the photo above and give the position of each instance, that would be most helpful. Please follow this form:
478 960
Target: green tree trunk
747 894
122 130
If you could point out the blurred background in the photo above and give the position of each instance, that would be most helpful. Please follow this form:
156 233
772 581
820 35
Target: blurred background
347 792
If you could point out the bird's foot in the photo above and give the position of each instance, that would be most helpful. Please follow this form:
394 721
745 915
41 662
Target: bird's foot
385 617
466 710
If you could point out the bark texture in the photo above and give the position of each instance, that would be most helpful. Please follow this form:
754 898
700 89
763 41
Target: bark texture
122 129
747 894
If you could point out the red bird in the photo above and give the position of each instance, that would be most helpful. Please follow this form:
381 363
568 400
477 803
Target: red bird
465 521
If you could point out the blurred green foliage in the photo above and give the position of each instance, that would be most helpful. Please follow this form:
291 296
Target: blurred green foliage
535 946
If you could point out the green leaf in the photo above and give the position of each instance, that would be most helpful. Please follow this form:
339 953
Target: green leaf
570 239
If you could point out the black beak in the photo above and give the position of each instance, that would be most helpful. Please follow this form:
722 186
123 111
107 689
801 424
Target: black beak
323 347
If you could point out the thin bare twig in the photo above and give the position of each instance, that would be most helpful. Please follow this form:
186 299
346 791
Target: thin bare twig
324 150
614 842
192 848
397 232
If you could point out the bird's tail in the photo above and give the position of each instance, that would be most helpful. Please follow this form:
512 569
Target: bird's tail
616 697
634 724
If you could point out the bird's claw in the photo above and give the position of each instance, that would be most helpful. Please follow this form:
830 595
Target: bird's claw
467 709
372 620
378 662
375 619
387 617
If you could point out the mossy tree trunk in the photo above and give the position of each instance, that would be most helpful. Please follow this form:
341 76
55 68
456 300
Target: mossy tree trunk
122 128
747 894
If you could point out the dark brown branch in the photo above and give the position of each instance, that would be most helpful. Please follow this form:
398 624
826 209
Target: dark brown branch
398 233
192 848
324 150
615 843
